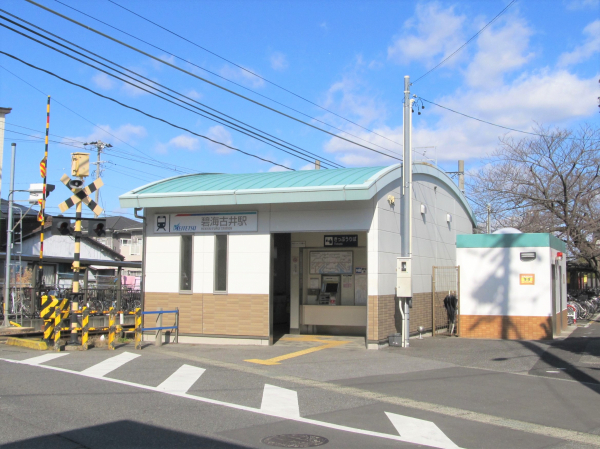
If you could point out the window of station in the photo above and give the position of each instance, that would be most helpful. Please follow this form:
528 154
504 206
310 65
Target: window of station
185 264
220 264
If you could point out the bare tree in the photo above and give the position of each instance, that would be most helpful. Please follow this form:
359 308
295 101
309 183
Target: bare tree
546 183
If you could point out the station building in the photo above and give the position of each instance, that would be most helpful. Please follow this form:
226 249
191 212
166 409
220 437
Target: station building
248 256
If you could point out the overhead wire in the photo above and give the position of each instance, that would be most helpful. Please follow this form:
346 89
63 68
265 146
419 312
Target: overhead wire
243 131
490 123
166 165
245 70
206 80
140 111
463 45
332 163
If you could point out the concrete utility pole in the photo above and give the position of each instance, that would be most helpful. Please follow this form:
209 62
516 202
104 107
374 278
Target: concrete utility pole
9 232
489 212
99 147
3 112
461 176
406 212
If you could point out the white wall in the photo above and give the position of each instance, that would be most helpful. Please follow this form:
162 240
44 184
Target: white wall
248 264
162 264
490 282
434 239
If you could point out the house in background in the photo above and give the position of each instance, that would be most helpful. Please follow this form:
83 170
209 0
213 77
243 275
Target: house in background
124 236
58 256
28 225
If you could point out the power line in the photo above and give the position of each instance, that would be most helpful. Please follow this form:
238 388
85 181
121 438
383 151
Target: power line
142 112
205 80
220 121
244 69
154 88
463 45
490 123
165 164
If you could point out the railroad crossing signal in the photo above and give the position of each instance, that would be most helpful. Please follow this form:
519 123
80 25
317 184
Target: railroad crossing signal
81 195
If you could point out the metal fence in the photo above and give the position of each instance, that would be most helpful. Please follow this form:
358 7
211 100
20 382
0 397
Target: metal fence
25 303
446 301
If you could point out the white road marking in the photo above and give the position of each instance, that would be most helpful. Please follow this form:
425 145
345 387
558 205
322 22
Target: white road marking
419 431
182 379
43 358
103 368
280 401
226 404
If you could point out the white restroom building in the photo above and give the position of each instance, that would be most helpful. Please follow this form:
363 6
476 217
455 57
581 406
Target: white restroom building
246 257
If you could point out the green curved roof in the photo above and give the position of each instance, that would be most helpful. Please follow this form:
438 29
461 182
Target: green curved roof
343 184
272 180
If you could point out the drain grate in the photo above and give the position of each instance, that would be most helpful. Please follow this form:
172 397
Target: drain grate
295 440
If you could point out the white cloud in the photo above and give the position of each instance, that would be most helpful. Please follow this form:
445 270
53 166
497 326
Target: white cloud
185 141
583 4
279 61
351 98
128 133
220 134
242 76
103 81
192 93
307 167
157 65
276 168
499 50
583 52
434 33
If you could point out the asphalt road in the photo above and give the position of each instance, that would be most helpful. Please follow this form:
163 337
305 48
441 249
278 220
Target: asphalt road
442 392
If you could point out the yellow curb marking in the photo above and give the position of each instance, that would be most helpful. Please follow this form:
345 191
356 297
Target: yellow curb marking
275 360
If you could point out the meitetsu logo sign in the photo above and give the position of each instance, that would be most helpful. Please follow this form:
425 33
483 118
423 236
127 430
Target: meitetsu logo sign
206 222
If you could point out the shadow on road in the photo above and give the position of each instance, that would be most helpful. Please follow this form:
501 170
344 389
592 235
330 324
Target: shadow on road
121 434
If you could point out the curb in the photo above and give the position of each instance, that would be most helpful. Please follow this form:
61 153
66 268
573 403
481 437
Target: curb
31 344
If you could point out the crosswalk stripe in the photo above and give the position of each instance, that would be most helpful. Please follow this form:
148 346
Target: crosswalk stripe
182 379
280 401
103 368
42 358
419 431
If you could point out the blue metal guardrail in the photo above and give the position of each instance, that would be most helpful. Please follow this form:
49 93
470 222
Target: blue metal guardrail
158 329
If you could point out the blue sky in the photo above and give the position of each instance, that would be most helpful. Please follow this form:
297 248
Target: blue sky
537 64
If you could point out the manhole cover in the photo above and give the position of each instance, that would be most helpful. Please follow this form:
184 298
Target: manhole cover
295 440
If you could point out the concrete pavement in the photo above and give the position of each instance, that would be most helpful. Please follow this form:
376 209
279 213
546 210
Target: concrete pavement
477 393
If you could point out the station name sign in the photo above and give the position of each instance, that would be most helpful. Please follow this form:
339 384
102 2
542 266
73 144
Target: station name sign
206 222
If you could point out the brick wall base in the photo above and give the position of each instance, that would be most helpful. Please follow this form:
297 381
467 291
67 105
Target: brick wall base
207 314
506 327
383 317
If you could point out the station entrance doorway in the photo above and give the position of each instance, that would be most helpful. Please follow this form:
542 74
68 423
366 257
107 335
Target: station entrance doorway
280 304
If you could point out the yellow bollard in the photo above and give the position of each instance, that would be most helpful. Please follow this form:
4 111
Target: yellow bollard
85 329
57 324
112 328
138 328
47 314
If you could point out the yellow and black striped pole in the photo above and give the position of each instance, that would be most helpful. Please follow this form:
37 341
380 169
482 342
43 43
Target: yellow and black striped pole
42 202
138 328
49 304
112 328
57 324
85 329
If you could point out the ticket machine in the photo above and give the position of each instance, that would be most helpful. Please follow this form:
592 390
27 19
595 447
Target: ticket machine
330 293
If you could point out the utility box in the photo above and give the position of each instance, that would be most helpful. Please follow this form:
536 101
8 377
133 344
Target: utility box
80 164
404 277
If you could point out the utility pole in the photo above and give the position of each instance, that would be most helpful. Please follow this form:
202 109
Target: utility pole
461 176
406 211
9 232
489 212
3 112
100 146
